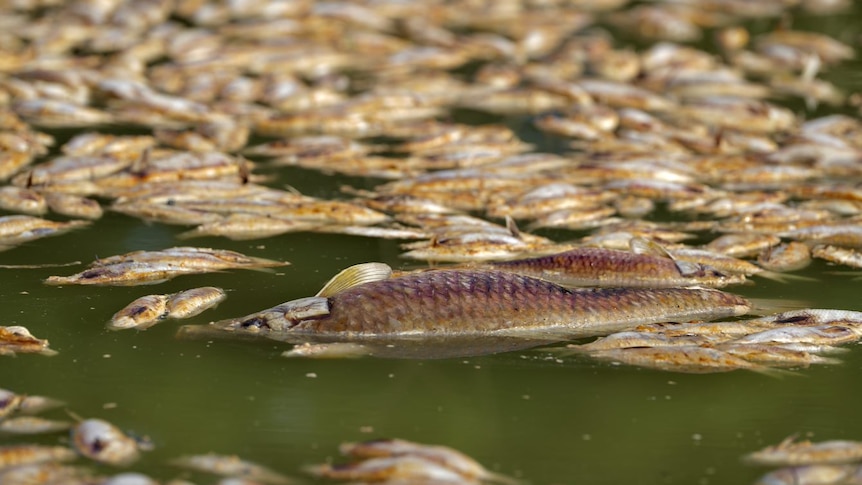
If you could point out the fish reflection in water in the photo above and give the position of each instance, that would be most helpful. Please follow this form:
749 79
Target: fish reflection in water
466 312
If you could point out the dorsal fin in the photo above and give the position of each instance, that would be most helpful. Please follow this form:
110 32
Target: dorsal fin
641 245
355 275
512 227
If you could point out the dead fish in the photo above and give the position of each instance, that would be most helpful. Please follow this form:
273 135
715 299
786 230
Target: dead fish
685 358
812 475
103 442
241 227
19 455
609 267
142 313
634 338
795 453
411 469
363 302
19 229
333 350
774 354
821 334
22 200
195 301
17 339
37 404
32 425
231 466
9 402
151 267
47 474
445 456
790 256
838 255
71 205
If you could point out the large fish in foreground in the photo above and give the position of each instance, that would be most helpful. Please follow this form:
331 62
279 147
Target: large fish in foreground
365 304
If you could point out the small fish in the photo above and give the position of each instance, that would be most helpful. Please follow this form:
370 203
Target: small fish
442 455
9 402
151 267
195 301
103 442
142 313
838 255
19 455
397 469
812 475
684 358
821 334
32 425
17 339
790 256
774 354
231 466
795 453
364 302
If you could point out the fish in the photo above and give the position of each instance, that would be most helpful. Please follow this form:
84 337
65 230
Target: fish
364 303
812 475
152 267
19 455
189 303
103 442
610 267
142 313
231 466
17 339
684 358
443 455
32 425
797 453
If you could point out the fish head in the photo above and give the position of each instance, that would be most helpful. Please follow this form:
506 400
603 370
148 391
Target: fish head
283 317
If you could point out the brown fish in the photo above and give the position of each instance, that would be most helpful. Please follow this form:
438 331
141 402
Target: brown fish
609 267
363 302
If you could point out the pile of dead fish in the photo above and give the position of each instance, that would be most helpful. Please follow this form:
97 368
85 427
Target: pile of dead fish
101 442
795 338
378 91
833 462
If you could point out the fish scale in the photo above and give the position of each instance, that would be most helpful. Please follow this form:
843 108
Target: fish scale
468 302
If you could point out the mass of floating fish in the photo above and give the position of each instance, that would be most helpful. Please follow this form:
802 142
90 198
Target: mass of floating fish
674 171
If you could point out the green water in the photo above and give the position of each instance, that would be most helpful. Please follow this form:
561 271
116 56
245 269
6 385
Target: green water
524 413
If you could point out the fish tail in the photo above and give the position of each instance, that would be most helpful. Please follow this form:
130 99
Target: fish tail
769 306
784 277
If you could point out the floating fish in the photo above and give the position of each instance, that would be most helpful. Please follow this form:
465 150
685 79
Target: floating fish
32 425
17 339
189 303
609 267
231 466
18 455
150 267
142 313
363 303
795 453
103 442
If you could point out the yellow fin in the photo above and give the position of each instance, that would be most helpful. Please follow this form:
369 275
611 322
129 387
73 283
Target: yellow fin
640 245
354 276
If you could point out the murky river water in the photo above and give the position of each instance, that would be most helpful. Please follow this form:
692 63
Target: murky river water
525 414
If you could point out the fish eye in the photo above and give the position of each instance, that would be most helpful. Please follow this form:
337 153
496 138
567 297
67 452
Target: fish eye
256 322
